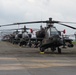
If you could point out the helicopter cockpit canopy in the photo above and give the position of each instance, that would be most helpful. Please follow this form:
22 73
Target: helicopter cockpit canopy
52 31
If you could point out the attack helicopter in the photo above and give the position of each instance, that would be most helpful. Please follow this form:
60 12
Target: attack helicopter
16 34
12 35
49 36
19 36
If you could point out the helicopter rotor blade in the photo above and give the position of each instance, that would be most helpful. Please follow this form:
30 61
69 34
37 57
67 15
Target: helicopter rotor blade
32 22
24 23
14 29
59 22
67 26
67 22
7 25
19 29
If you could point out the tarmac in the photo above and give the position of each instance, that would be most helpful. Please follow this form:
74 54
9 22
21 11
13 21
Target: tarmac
16 60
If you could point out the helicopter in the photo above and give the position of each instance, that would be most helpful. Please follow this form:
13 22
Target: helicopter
49 36
19 36
12 34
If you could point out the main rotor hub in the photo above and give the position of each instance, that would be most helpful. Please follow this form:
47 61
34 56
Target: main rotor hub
49 23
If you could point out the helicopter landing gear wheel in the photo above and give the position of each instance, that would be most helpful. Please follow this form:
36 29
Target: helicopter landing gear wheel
59 50
42 49
71 45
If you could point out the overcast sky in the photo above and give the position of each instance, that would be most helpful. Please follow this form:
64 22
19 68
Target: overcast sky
12 11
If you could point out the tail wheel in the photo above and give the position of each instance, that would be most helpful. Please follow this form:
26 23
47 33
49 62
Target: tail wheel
42 49
59 50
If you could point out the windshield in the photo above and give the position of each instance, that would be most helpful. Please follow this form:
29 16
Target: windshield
54 31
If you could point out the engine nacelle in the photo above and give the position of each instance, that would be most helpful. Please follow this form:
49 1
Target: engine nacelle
40 34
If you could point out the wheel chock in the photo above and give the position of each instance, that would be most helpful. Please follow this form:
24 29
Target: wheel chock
42 52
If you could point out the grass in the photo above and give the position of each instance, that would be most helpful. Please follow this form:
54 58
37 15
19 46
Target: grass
74 42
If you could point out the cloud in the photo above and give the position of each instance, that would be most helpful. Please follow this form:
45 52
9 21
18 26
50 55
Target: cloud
28 10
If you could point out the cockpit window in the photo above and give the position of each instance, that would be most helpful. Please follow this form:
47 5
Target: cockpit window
54 31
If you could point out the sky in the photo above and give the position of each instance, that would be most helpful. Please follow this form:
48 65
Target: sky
12 11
